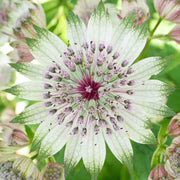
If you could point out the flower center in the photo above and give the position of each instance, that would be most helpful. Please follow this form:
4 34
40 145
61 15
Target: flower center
88 88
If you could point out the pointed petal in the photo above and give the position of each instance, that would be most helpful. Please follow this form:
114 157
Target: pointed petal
47 48
155 109
30 70
144 69
135 116
76 31
120 147
99 26
72 152
43 129
93 152
139 134
33 90
54 141
32 115
151 91
127 41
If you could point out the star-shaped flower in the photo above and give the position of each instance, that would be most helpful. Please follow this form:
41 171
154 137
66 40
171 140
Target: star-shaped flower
90 91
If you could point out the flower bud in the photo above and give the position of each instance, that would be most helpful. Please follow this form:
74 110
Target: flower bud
19 137
21 52
53 171
158 173
175 34
12 135
172 159
139 8
168 9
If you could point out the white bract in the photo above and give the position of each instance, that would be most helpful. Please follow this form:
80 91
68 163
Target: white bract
91 92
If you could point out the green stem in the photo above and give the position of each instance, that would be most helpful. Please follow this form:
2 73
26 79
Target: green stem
50 159
149 40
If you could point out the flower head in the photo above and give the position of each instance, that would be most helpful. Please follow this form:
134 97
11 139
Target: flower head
168 9
139 8
175 34
53 171
158 173
172 159
90 92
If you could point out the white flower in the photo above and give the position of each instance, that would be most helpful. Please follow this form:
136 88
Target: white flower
91 92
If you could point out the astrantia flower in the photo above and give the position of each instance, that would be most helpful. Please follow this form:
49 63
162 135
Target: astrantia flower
90 92
168 9
139 8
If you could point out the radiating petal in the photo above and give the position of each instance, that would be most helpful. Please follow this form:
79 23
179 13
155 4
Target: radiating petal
151 90
139 134
29 90
127 41
30 70
43 129
121 147
76 31
155 109
72 152
54 141
32 115
144 69
99 26
48 48
93 152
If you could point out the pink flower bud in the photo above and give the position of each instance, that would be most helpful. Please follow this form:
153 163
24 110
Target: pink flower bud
172 159
19 137
21 52
139 8
158 173
175 34
168 9
53 171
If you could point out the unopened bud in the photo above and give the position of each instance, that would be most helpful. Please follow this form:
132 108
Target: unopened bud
21 52
19 137
174 126
158 173
175 34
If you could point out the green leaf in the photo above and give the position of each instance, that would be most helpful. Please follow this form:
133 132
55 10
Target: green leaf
142 161
29 133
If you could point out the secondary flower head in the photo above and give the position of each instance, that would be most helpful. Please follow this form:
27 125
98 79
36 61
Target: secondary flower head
168 9
175 34
139 8
90 92
53 171
172 159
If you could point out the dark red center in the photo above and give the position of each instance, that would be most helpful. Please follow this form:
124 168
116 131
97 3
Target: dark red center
88 88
